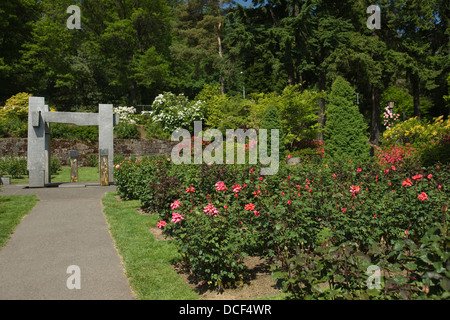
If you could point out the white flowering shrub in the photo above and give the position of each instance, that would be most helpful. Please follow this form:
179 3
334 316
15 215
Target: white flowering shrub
176 111
126 114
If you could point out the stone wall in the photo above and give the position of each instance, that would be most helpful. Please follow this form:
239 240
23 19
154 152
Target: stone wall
60 148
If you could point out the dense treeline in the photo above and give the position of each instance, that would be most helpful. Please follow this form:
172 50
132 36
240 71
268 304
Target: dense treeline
129 51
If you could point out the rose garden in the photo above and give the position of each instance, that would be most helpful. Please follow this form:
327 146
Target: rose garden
345 102
321 223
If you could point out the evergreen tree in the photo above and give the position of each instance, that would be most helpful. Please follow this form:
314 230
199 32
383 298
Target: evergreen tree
271 120
345 130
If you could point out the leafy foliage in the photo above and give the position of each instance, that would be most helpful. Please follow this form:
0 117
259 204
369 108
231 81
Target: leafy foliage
176 111
271 120
14 166
321 224
429 139
345 128
126 130
14 116
73 132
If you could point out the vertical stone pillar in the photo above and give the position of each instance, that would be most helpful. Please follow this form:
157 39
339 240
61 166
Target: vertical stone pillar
73 165
106 136
104 168
47 143
37 156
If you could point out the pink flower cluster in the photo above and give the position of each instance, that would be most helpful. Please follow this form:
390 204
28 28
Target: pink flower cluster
418 177
355 189
210 210
176 217
236 188
395 155
175 204
249 207
220 186
161 224
423 196
388 116
191 189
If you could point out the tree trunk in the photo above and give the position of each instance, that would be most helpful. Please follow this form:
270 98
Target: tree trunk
132 93
300 80
132 85
321 113
222 77
289 65
375 126
219 43
274 17
416 96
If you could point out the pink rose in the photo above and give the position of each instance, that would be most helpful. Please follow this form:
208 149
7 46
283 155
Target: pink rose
175 204
161 224
176 217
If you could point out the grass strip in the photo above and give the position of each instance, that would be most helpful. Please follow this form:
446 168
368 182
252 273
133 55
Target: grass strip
147 261
12 210
84 174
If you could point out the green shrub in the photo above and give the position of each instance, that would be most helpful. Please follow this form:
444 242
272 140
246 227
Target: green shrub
176 111
436 152
126 130
271 120
86 133
430 140
55 165
3 167
118 158
154 130
16 167
321 224
73 132
13 126
345 130
3 129
92 160
132 177
426 264
410 269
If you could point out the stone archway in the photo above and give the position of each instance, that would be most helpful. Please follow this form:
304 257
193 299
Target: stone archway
39 117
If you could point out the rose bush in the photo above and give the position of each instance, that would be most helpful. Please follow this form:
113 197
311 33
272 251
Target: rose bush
317 223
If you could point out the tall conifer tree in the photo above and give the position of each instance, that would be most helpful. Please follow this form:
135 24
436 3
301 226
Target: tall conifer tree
345 130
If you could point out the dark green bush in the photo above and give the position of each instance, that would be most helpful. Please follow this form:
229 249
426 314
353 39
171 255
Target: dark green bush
345 129
16 167
126 130
433 153
3 129
15 127
118 158
154 130
92 160
321 224
55 165
271 120
72 132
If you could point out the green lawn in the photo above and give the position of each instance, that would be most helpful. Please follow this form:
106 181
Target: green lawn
147 261
12 210
84 174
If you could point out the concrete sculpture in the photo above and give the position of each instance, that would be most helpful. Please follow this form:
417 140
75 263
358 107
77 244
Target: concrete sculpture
39 118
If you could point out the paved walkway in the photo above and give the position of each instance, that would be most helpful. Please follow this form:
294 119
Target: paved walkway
65 228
